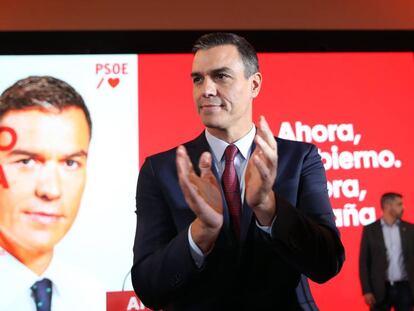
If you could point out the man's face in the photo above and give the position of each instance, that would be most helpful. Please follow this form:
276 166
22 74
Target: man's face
222 93
396 207
46 172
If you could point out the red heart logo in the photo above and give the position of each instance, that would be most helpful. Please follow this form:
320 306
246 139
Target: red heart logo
113 81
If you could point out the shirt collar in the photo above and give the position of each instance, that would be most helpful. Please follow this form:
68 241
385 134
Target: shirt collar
17 270
21 274
218 146
383 223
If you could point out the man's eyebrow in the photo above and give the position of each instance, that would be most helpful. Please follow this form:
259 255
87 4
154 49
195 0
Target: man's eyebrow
222 69
212 72
80 153
195 74
21 152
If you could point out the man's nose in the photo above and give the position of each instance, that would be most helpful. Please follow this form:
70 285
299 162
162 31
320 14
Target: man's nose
209 87
48 186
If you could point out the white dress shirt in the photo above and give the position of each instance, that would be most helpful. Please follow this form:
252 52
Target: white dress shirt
392 238
71 289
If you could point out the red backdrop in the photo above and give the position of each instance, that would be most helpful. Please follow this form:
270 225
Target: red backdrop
356 107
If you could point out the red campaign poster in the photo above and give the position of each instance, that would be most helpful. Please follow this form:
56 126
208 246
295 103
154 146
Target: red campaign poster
357 109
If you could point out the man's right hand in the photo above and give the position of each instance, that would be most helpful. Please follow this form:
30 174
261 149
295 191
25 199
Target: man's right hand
369 299
203 195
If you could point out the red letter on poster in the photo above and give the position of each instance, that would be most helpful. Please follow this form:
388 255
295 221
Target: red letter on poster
8 146
13 138
3 180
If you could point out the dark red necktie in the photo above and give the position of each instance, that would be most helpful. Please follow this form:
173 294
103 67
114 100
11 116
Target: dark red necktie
231 187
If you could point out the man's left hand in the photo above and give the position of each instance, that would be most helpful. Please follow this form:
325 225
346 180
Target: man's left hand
261 174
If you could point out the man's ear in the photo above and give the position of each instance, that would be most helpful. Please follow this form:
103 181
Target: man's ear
256 83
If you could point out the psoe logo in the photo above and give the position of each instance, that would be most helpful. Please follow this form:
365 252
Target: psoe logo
110 74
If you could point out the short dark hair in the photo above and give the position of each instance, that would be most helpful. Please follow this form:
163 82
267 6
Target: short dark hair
42 92
245 49
388 196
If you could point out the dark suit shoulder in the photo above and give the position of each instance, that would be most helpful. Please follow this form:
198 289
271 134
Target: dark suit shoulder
372 226
296 151
293 144
408 225
160 156
170 153
160 162
165 161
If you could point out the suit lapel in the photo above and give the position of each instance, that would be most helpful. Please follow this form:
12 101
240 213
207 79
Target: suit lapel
247 213
380 236
245 220
404 240
195 148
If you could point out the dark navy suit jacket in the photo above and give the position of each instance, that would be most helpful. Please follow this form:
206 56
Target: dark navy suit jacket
259 272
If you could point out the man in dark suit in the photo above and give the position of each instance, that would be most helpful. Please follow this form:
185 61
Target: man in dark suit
386 261
235 219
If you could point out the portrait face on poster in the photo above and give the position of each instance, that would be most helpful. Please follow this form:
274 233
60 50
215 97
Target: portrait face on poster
46 175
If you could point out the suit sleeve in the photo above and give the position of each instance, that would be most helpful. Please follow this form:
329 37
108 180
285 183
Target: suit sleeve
162 261
365 263
306 236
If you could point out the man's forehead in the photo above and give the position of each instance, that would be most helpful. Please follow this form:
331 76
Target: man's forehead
217 57
396 200
69 118
48 110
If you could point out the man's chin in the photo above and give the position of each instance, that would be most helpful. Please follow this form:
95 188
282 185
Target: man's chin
213 123
43 241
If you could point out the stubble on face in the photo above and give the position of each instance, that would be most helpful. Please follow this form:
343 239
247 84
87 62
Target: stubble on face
222 93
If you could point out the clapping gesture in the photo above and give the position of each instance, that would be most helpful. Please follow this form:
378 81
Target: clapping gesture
203 195
261 174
